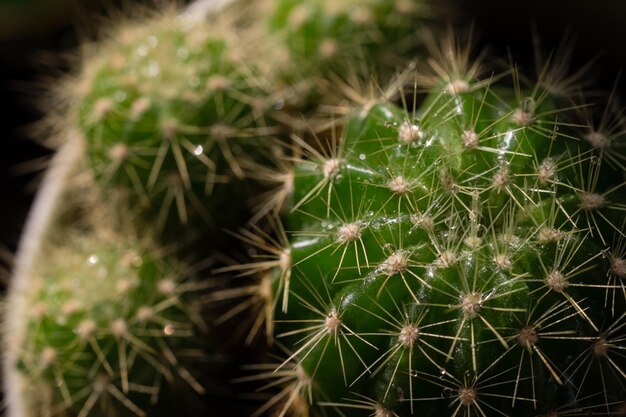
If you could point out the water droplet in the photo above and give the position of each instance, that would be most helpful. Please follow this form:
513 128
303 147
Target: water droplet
450 223
387 125
528 105
414 374
442 373
447 393
595 160
198 150
395 124
168 330
362 157
93 259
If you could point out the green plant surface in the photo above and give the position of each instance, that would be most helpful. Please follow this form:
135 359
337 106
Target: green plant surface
322 30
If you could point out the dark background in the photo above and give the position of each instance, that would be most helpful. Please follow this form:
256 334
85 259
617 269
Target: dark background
30 30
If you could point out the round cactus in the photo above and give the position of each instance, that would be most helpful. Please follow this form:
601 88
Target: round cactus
108 323
165 107
464 257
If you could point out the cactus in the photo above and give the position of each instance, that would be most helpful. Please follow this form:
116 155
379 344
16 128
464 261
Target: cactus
460 257
167 108
329 40
99 321
104 320
463 256
159 115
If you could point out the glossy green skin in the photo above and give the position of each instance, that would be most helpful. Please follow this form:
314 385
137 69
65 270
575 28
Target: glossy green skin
109 329
470 356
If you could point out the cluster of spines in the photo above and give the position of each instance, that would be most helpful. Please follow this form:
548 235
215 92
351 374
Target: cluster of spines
479 236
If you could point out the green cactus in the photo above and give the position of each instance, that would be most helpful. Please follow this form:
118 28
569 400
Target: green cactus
171 109
167 109
319 40
109 322
463 257
108 348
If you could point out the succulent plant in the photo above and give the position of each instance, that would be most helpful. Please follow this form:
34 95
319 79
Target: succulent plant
457 249
167 108
104 320
460 257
